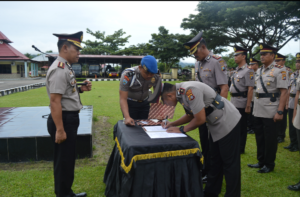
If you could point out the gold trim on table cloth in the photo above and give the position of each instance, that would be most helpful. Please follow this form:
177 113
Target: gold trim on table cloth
154 155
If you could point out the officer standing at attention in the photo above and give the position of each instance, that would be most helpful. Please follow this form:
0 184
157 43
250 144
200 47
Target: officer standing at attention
254 65
296 119
203 105
269 103
134 89
293 146
212 70
241 91
280 60
65 104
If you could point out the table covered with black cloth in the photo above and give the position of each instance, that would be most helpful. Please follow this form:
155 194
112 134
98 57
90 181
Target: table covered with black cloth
143 167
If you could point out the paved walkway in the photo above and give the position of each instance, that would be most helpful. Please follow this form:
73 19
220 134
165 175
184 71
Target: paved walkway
7 84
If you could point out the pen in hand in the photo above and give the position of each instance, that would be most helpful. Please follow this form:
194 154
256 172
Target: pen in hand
166 121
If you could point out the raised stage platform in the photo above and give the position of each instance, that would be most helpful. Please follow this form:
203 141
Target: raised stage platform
24 135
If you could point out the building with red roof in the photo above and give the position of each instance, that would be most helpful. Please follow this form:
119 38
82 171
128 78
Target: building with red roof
13 64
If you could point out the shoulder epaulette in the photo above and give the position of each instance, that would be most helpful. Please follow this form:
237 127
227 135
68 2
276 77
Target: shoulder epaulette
130 73
216 57
278 66
61 65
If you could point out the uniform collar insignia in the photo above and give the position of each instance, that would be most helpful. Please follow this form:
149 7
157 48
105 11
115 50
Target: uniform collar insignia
208 57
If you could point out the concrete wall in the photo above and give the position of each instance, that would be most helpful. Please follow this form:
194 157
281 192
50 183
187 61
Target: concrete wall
9 76
14 70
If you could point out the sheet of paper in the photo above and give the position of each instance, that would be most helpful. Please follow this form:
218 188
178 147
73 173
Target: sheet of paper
144 122
159 132
154 120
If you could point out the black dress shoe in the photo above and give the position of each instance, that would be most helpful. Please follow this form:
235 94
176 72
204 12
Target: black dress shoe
280 140
250 132
294 149
288 147
295 187
81 195
255 165
265 169
204 179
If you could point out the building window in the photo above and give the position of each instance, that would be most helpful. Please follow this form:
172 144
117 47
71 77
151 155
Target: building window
5 69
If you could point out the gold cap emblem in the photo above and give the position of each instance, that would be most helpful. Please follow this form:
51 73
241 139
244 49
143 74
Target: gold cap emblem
298 55
234 49
81 37
145 68
251 59
261 46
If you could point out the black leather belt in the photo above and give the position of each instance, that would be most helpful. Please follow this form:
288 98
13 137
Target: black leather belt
243 94
266 95
254 88
135 100
292 95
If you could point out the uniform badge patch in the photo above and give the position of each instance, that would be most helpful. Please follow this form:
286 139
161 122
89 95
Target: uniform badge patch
223 68
251 75
124 82
283 75
278 66
126 78
190 95
181 90
61 65
152 80
216 57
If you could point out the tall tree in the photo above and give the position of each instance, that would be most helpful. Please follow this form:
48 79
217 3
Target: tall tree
139 49
168 48
109 44
30 56
245 23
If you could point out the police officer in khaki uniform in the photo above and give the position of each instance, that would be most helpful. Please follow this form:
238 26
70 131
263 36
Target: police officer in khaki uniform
269 102
202 104
65 104
293 146
254 63
212 70
134 89
280 60
296 117
241 91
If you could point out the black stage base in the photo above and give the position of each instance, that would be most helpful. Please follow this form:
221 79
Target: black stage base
24 135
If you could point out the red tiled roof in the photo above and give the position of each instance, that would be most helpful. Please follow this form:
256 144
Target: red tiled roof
4 38
8 52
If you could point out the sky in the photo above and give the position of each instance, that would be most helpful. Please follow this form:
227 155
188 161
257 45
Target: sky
33 23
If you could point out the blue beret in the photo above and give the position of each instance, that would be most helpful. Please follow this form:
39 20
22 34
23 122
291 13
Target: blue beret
149 64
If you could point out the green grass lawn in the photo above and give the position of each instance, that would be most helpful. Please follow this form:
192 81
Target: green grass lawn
36 178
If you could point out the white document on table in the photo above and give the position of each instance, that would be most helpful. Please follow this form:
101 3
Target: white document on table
159 132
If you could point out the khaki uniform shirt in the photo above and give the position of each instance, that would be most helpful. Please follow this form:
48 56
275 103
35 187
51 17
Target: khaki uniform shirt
273 78
243 78
61 79
293 83
254 90
297 118
212 70
136 86
196 95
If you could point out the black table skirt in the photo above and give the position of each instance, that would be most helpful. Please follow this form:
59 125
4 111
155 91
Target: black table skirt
172 176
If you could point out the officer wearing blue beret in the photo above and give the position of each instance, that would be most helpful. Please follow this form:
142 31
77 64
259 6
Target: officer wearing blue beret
134 89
